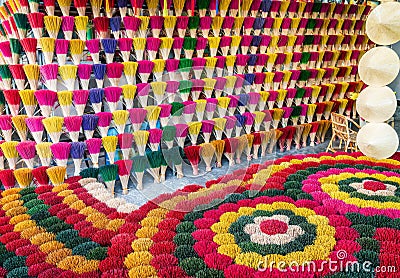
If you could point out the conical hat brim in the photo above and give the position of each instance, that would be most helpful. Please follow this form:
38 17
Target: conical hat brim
379 66
383 24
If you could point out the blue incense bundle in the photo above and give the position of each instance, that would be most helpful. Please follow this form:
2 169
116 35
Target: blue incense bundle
258 25
243 100
265 7
96 99
251 63
109 46
99 71
115 26
240 121
123 6
249 80
77 150
89 124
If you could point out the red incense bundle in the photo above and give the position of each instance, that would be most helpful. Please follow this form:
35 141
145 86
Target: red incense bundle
18 73
49 6
125 141
231 145
124 172
259 78
13 100
7 178
35 126
73 126
181 25
80 6
40 176
137 117
93 146
193 155
155 135
29 45
100 25
46 100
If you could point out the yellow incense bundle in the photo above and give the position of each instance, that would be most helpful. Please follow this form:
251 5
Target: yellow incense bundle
24 177
52 25
159 90
276 117
165 47
53 126
29 100
110 146
194 130
213 43
158 69
258 119
130 69
219 127
128 93
141 137
216 25
68 74
241 147
207 152
120 118
235 44
81 23
57 174
96 6
76 48
169 25
20 126
210 66
32 73
139 45
310 112
306 132
144 23
44 153
178 6
223 103
10 152
219 146
153 113
200 108
48 46
269 80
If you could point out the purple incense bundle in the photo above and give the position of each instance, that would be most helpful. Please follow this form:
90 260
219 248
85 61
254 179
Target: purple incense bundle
198 66
197 88
80 98
155 135
165 113
104 122
137 117
171 89
143 90
181 134
84 72
201 45
61 47
125 141
177 46
189 109
230 125
211 106
207 128
93 147
67 26
253 100
112 95
73 126
89 124
93 46
77 151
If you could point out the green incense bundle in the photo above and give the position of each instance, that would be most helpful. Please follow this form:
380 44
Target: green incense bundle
174 157
189 45
89 173
139 165
185 65
311 24
304 75
295 114
168 135
177 109
185 87
193 24
308 40
6 76
155 159
305 57
109 174
16 49
21 20
316 7
299 96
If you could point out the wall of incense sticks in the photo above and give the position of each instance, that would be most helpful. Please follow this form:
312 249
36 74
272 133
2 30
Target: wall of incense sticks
174 80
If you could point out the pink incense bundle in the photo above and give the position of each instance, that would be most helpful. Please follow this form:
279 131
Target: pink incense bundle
13 100
307 95
153 45
181 134
286 22
181 25
104 122
171 89
239 84
84 72
253 101
29 45
177 46
155 135
46 100
328 75
287 111
49 73
248 25
131 24
7 178
137 117
125 46
61 152
6 126
80 98
225 44
245 43
291 93
189 109
261 62
227 25
112 95
274 8
18 73
233 103
319 111
114 73
73 126
322 93
294 77
36 22
282 43
249 121
143 90
219 86
268 24
93 46
40 175
6 51
278 77
156 24
93 145
280 59
303 113
230 125
192 153
259 78
67 26
165 113
241 62
61 47
273 95
172 65
144 69
201 45
207 127
211 107
205 25
35 126
197 88
125 141
198 66
27 152
124 173
220 65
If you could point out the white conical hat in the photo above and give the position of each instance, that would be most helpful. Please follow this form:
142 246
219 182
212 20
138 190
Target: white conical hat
379 66
383 23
